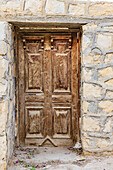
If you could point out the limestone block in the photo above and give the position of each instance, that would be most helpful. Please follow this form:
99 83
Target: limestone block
9 35
3 165
3 116
90 124
86 143
109 82
108 126
10 6
102 143
3 67
3 48
89 27
106 72
87 74
3 148
87 59
85 105
3 88
108 59
77 9
34 6
92 91
55 7
106 105
101 9
109 94
86 42
2 31
104 41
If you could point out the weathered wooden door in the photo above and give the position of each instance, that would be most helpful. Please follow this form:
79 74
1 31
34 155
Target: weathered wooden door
48 91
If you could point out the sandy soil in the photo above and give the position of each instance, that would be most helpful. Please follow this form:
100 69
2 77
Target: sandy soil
52 158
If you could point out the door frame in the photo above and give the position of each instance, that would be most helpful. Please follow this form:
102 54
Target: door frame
19 32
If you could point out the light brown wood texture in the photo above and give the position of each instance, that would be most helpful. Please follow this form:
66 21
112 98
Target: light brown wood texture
48 89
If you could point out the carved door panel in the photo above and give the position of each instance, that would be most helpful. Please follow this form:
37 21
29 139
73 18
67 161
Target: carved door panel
48 90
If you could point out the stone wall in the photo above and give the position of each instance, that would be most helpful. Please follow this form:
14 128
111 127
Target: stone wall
96 67
92 9
97 87
7 93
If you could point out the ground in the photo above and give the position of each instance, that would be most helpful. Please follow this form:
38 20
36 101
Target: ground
53 158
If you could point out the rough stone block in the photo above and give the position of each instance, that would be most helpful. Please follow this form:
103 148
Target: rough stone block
109 94
109 82
90 124
101 9
102 143
3 115
85 105
3 88
2 31
3 165
92 91
34 6
3 67
87 74
77 9
86 42
108 59
108 126
3 148
3 48
104 41
106 105
55 7
105 72
10 6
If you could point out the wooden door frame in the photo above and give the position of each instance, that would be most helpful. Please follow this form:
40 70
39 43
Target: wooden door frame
19 32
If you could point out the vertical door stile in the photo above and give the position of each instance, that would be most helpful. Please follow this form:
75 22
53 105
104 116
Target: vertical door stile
47 87
21 94
74 88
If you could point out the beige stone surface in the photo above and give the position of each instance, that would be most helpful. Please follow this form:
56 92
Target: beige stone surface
106 72
3 67
77 9
3 165
55 7
108 59
102 143
101 9
92 90
108 126
3 116
2 31
3 148
109 82
104 41
85 105
109 94
34 6
90 124
106 105
11 6
86 42
3 88
87 74
3 48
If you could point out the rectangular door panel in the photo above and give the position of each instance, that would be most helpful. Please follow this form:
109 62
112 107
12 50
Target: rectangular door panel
34 122
61 64
34 64
62 122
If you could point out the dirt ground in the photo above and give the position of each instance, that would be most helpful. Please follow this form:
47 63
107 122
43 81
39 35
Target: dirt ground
53 158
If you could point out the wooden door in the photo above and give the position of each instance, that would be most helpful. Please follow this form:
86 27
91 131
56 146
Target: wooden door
48 89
